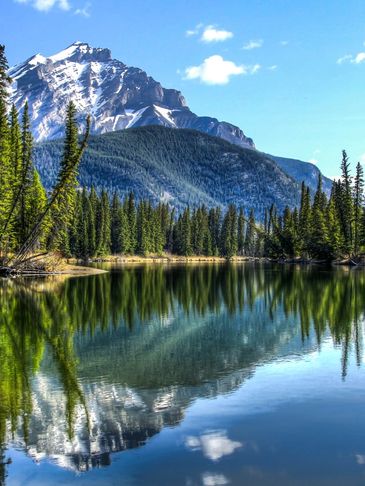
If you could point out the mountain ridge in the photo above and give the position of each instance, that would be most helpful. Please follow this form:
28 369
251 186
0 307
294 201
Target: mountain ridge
116 96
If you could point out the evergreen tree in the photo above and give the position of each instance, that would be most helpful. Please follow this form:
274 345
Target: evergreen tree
250 235
23 222
318 243
115 224
185 237
358 208
67 182
335 239
241 232
36 203
346 204
132 221
304 220
6 196
104 223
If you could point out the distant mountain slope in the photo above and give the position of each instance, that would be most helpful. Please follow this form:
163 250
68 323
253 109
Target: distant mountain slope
179 166
303 171
116 96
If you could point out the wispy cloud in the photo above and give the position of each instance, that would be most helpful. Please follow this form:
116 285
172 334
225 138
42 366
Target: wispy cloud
313 161
216 70
84 11
46 5
352 59
212 479
209 33
194 31
253 44
284 43
344 58
273 67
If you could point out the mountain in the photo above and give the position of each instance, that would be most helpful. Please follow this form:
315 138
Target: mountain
303 171
116 96
179 166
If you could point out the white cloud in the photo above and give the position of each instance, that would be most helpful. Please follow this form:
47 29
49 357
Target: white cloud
284 43
84 11
216 70
195 31
212 34
313 161
211 479
358 59
273 67
253 44
214 445
45 5
343 59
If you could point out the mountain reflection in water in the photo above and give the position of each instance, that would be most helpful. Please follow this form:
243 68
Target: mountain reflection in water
99 364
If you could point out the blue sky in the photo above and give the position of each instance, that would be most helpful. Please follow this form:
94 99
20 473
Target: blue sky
290 73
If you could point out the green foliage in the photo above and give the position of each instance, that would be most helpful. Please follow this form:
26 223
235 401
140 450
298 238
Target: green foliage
324 229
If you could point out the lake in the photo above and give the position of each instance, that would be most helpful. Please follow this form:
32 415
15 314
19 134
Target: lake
184 375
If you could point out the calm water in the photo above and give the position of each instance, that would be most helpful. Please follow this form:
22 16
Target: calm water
204 375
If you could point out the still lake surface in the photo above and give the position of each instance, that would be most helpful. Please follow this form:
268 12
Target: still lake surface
184 375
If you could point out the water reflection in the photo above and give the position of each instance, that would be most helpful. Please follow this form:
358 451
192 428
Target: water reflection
95 365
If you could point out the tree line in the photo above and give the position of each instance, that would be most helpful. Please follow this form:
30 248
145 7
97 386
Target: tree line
322 228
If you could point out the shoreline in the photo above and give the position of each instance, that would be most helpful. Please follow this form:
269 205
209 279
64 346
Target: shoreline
73 267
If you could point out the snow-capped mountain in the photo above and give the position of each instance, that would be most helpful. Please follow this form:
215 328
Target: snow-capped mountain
116 96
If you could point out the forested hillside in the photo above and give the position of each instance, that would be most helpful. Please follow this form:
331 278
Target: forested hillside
303 171
182 167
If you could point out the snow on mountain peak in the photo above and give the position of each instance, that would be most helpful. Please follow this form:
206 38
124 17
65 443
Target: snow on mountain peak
115 95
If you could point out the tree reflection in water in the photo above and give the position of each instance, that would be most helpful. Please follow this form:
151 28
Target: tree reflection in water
62 318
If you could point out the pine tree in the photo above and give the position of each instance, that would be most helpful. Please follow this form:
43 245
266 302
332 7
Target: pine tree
185 245
250 235
23 223
124 231
132 221
115 224
358 207
304 220
346 204
36 202
214 223
318 243
335 240
288 236
241 232
67 182
6 196
104 222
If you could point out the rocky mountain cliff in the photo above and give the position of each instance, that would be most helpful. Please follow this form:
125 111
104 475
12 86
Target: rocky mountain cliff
116 96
